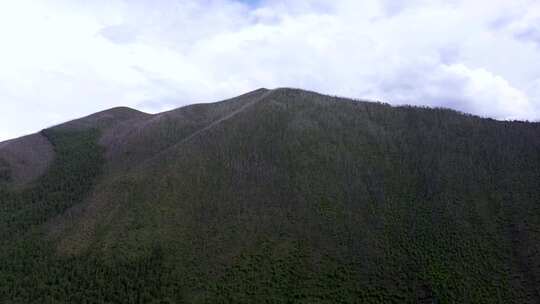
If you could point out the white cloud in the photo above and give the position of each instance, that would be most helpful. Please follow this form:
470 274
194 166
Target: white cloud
490 95
60 59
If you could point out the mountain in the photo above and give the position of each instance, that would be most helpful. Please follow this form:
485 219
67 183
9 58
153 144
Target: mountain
275 196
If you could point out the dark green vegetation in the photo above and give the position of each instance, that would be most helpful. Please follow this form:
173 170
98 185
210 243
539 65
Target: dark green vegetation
280 196
5 172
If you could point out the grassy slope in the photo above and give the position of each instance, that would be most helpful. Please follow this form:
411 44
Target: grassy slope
299 197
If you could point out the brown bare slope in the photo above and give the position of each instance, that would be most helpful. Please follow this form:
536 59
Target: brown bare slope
105 119
129 136
24 159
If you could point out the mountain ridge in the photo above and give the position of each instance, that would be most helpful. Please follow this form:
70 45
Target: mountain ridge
280 196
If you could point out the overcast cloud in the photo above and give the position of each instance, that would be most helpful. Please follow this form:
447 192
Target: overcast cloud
62 59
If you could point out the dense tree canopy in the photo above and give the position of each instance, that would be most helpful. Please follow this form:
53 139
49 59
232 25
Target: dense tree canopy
295 197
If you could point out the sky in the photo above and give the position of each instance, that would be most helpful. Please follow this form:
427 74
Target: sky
63 59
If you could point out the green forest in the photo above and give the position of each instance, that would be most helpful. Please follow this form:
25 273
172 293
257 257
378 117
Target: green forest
286 196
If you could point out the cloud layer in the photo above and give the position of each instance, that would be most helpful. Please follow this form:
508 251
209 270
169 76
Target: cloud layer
62 59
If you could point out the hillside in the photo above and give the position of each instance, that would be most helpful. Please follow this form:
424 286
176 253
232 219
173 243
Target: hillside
275 196
24 159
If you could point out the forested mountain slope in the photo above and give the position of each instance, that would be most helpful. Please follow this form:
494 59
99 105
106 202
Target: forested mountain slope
24 159
276 196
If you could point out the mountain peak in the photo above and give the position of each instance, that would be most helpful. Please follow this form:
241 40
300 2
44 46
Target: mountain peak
104 119
238 199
